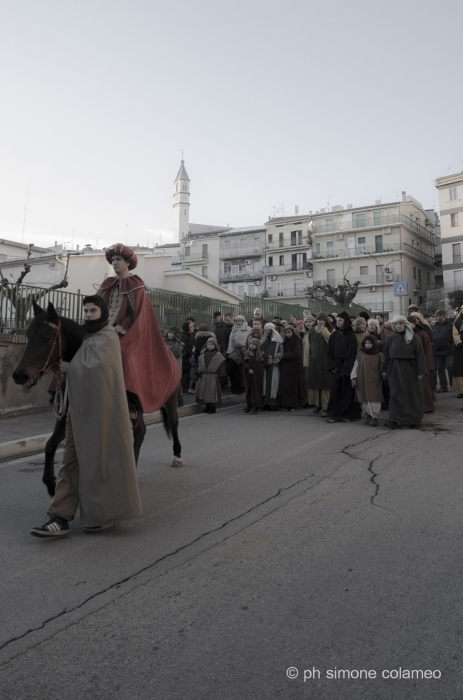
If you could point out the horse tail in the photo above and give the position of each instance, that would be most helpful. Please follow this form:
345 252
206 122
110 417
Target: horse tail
165 420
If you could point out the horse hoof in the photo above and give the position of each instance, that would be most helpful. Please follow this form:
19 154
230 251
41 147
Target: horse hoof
177 462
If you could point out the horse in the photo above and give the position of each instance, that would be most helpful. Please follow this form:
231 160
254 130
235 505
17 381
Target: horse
52 338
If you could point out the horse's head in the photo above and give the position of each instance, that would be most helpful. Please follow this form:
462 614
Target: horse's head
46 345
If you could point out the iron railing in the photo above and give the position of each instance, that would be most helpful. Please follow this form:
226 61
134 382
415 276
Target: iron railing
16 304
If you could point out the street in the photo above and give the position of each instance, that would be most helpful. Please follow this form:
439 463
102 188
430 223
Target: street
286 549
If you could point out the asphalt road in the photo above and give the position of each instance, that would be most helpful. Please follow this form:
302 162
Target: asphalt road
283 543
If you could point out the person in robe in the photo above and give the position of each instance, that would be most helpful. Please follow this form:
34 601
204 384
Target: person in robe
359 327
98 474
271 346
415 323
211 368
367 380
457 367
341 355
317 379
151 372
291 386
404 365
306 325
253 363
235 352
174 343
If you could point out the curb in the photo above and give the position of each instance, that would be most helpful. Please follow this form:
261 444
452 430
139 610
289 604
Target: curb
32 445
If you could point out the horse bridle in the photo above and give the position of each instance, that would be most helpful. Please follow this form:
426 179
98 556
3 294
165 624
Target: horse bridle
48 364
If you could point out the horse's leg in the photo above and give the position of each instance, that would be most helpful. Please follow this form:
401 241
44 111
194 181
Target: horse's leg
170 416
56 437
139 431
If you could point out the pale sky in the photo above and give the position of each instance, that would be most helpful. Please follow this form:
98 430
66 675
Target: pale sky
294 102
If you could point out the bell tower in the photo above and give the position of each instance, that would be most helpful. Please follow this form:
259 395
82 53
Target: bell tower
181 204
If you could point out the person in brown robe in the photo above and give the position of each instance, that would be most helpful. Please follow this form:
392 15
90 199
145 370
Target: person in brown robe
427 347
291 387
98 475
253 363
211 369
367 380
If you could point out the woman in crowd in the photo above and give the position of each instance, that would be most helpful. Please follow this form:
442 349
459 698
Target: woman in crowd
317 379
291 387
187 337
235 353
211 368
415 323
404 365
271 346
359 327
367 380
373 328
307 324
253 363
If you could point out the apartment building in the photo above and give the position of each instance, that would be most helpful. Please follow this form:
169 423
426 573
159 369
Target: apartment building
450 190
241 253
375 245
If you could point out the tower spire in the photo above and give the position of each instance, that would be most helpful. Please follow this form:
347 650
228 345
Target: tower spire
181 203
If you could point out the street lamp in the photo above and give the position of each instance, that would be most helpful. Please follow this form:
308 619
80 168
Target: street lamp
383 269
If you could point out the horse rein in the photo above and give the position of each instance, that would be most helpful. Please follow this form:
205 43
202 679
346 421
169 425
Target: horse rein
47 366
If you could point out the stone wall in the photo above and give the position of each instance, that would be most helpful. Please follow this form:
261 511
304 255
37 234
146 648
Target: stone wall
15 398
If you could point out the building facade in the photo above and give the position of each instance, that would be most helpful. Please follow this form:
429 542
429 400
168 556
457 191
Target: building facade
241 255
375 245
450 190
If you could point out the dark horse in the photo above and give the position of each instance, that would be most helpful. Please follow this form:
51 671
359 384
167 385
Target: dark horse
51 338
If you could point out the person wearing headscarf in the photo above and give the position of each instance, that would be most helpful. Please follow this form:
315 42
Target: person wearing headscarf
317 379
457 368
172 340
98 474
306 325
271 346
211 367
291 387
373 328
364 315
255 333
253 363
235 353
151 373
359 326
404 365
278 326
367 380
341 355
415 323
332 320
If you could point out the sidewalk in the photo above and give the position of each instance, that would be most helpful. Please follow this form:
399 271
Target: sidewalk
28 434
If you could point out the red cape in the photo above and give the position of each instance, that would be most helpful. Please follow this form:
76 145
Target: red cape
150 368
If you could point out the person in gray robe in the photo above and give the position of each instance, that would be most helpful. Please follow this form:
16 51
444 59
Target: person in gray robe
98 474
403 366
272 348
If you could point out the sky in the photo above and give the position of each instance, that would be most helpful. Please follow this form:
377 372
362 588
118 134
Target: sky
274 104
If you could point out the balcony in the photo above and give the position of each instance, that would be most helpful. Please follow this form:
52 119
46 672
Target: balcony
281 269
282 245
193 259
244 253
418 254
375 222
368 251
240 276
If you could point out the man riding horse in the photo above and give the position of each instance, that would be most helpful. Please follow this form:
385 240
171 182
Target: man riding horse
151 373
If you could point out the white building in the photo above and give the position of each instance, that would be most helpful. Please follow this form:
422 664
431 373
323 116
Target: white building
450 190
241 253
376 245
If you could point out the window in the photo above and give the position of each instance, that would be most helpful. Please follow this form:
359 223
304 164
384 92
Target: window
299 287
377 218
282 260
270 237
256 242
227 245
270 261
453 220
184 187
176 187
329 225
299 261
330 278
330 249
419 277
235 270
204 249
317 248
456 252
360 221
252 289
256 266
296 237
452 194
187 250
281 239
204 271
414 273
378 244
240 290
428 276
280 289
457 278
364 269
379 274
361 244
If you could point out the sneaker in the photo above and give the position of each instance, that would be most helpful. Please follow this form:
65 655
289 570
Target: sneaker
98 528
55 527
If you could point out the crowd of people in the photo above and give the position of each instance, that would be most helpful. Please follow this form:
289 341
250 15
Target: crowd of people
340 365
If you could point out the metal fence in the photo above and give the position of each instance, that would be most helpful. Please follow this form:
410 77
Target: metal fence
171 308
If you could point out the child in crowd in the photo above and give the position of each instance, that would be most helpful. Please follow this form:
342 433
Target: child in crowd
253 363
172 340
367 379
210 369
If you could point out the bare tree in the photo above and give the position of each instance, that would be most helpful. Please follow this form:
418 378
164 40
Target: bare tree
343 294
19 297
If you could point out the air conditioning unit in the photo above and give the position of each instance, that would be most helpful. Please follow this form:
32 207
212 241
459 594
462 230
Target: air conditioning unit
269 284
309 273
389 278
339 236
247 262
273 277
387 269
372 289
387 229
